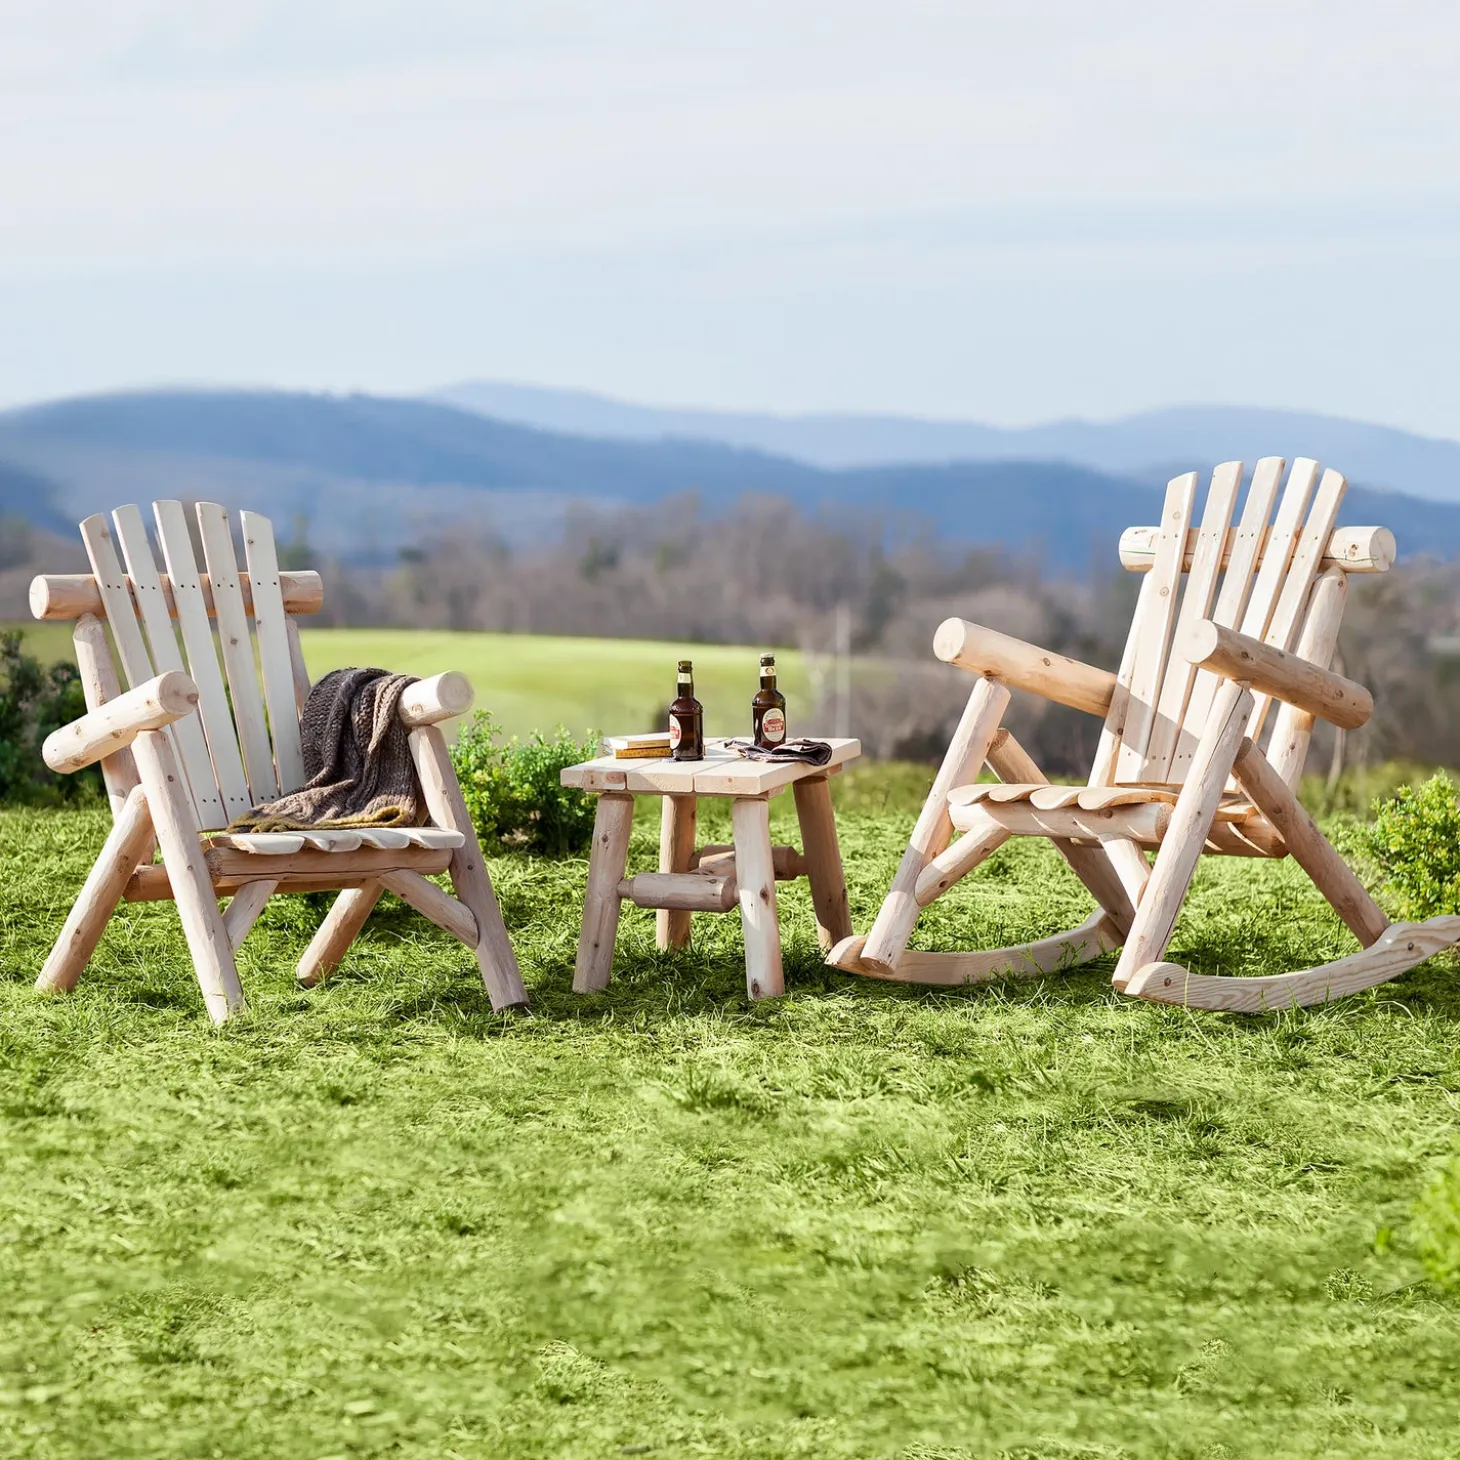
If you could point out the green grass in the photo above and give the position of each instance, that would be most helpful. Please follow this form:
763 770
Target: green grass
536 681
1031 1220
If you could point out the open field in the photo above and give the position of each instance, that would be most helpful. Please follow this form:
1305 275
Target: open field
1031 1220
536 682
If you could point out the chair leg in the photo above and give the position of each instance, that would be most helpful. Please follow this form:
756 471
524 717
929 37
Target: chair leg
1186 836
755 875
966 754
244 908
677 818
129 840
192 888
468 870
348 914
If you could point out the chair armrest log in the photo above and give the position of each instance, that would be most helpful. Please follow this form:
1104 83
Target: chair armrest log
442 697
1271 671
118 722
1025 666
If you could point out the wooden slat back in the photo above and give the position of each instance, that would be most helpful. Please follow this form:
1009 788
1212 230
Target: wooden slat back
1151 631
1231 602
238 655
197 633
121 612
1196 604
192 745
274 656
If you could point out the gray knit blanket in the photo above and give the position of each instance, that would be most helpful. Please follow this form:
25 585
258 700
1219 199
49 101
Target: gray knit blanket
357 759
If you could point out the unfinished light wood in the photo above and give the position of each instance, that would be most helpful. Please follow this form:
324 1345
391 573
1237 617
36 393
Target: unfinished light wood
1292 731
719 861
823 861
128 842
1196 603
62 596
759 918
1146 824
678 820
962 763
1061 953
1349 549
192 889
228 861
441 697
1273 672
613 820
1309 847
273 639
1024 666
1155 629
99 685
104 731
431 902
1186 834
344 922
296 665
720 773
688 892
238 653
191 608
468 869
243 910
1401 947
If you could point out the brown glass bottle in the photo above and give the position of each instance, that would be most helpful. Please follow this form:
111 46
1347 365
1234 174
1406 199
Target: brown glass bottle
686 718
768 708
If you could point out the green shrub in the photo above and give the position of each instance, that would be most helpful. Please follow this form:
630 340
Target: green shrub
513 792
1437 1228
33 702
1415 838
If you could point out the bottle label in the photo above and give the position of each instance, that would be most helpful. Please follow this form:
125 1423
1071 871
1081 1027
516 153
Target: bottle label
676 734
773 727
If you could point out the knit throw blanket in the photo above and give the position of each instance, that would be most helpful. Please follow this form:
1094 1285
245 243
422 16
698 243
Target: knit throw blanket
357 759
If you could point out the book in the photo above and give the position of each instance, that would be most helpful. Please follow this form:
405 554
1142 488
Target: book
638 747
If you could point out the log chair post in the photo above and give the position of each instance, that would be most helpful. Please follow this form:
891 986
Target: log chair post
99 683
129 840
1185 838
468 870
823 858
244 908
961 765
759 917
613 820
348 914
174 820
678 816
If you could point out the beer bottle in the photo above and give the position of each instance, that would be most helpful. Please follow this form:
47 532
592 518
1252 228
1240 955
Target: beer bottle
686 718
768 708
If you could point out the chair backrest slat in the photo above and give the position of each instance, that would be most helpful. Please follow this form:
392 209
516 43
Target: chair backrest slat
121 612
192 746
273 637
1196 604
1287 747
1247 544
1153 633
197 634
237 646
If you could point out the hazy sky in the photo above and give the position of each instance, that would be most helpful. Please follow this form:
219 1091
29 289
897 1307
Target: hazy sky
1005 212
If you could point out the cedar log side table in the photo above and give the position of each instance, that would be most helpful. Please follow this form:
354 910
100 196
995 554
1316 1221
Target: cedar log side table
714 878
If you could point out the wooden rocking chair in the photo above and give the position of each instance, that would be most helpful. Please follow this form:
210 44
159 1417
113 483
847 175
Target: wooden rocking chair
1178 767
182 756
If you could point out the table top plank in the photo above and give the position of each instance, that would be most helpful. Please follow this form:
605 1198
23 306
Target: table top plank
720 773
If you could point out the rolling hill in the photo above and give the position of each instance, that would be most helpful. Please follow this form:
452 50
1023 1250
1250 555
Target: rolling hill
372 474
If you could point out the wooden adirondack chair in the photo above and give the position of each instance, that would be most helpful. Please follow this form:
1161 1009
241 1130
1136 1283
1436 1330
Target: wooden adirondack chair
183 755
1178 767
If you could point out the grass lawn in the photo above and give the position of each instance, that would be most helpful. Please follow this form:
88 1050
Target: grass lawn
536 681
1031 1220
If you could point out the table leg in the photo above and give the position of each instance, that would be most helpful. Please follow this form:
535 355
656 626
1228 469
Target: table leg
823 861
756 874
677 817
607 863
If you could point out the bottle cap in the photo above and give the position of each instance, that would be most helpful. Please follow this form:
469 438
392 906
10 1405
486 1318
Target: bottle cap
767 658
685 666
